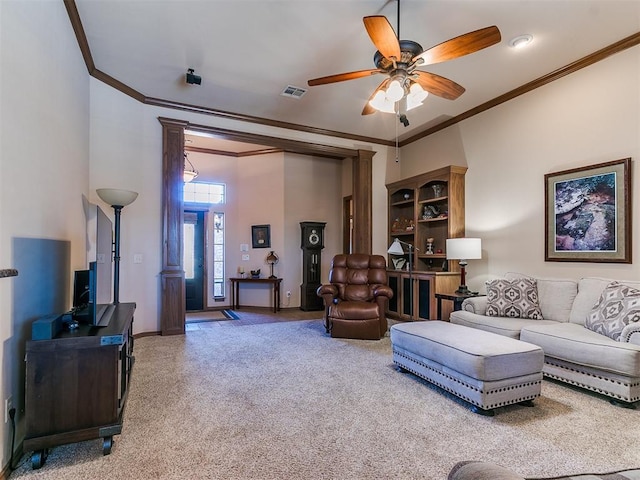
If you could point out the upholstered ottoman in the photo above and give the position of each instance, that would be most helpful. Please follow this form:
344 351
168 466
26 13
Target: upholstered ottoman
485 369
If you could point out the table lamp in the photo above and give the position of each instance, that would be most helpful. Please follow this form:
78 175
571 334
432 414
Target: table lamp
272 259
463 249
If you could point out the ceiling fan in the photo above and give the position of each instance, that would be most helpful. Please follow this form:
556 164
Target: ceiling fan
399 60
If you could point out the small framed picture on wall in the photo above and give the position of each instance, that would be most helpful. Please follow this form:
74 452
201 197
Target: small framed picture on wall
261 236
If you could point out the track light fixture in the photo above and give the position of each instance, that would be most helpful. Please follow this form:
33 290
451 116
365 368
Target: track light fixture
193 79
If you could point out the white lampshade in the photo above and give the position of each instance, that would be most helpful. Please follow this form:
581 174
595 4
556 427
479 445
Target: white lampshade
395 91
464 248
116 197
396 248
381 103
416 96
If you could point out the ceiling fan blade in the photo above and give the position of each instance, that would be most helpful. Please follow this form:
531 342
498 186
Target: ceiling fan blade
382 35
368 109
341 77
459 46
440 86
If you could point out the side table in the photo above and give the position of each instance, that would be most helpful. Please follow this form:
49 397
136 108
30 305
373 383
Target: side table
456 298
235 290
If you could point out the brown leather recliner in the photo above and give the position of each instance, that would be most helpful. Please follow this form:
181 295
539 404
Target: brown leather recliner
355 300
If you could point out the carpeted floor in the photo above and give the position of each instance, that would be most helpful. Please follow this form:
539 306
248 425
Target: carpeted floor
286 401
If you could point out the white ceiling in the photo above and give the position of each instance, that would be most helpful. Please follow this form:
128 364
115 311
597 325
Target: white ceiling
248 51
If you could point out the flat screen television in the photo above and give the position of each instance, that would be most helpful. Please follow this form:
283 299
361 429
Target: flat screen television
99 306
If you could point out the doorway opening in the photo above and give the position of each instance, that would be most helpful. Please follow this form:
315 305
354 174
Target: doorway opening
195 259
172 318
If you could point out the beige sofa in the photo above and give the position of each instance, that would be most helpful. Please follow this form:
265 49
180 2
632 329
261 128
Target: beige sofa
573 353
475 470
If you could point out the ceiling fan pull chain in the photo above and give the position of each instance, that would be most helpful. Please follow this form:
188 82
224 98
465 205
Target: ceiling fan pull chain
398 33
397 115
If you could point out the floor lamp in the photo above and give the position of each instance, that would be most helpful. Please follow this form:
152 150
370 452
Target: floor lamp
396 249
118 199
464 249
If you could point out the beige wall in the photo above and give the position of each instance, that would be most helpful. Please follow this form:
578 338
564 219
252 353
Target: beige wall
44 171
313 194
586 118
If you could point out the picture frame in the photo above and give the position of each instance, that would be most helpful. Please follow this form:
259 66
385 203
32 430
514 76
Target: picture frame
588 213
261 236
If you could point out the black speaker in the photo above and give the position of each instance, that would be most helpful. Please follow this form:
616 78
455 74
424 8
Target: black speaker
192 78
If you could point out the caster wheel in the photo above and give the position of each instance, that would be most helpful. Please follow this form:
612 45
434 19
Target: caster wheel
106 445
38 458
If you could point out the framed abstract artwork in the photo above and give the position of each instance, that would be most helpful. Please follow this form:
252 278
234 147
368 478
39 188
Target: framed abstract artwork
588 214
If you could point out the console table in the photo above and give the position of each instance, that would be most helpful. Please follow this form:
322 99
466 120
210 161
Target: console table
77 383
235 290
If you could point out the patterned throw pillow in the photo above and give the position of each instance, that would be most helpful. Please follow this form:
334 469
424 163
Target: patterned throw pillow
513 298
618 306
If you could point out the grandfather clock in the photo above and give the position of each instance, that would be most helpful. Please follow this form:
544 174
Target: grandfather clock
312 245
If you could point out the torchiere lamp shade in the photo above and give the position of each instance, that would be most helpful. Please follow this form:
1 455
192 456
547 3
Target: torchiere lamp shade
116 197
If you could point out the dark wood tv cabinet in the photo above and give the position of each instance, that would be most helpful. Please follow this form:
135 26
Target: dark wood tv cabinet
77 383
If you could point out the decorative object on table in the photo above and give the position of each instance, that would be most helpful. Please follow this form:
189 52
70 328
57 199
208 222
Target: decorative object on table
429 246
272 259
241 272
463 249
255 273
438 189
260 236
118 199
398 263
396 249
588 214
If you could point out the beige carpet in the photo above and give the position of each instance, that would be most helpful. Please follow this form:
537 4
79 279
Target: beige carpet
285 401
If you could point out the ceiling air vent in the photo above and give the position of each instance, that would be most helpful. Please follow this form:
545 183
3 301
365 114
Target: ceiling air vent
293 92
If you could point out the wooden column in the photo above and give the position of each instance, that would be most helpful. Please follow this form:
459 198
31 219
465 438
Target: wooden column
172 303
362 201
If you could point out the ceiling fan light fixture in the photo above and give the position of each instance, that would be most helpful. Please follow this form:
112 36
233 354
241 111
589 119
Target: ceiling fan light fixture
412 103
381 102
416 96
395 92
